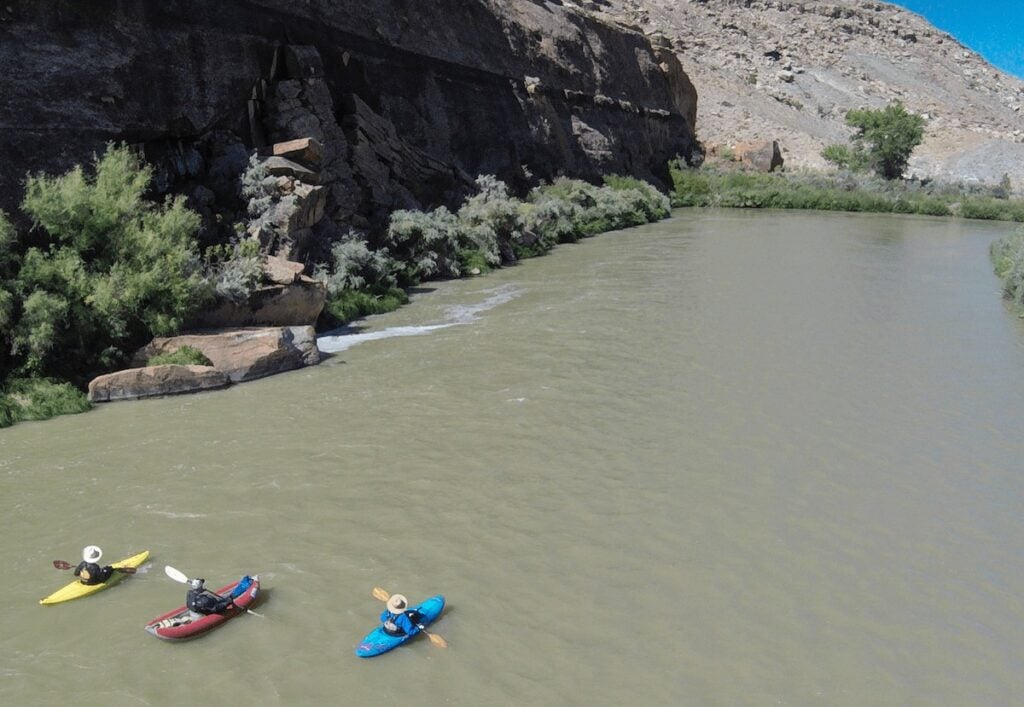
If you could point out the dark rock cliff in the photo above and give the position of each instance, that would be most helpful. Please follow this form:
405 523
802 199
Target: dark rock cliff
410 99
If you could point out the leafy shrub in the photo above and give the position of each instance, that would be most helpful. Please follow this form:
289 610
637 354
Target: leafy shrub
116 270
354 266
183 356
39 399
359 281
8 411
427 244
613 209
346 305
8 301
888 136
552 219
491 227
1008 258
233 271
691 187
474 261
846 157
656 205
845 191
254 187
491 221
992 209
572 191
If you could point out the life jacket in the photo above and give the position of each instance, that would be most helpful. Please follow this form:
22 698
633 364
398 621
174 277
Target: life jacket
412 615
90 573
202 602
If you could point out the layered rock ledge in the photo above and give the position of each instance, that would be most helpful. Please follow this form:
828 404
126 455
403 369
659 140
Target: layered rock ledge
401 102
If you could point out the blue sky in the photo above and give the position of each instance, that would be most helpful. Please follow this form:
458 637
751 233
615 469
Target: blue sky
993 28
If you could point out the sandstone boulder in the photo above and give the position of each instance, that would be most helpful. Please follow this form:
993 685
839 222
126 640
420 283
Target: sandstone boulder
306 151
280 271
282 166
152 381
761 157
246 354
299 303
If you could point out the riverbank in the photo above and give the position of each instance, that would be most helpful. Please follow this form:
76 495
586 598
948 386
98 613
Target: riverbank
845 191
807 190
370 275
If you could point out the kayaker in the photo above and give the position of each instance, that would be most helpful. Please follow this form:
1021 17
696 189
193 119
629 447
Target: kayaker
203 601
397 618
88 571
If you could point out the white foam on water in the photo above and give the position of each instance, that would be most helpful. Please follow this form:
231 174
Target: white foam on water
334 344
454 316
175 515
463 314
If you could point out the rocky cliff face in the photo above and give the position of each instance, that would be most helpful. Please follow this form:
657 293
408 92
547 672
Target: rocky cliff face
407 100
789 70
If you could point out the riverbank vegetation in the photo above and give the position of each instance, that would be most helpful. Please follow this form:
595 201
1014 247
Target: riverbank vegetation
883 141
1008 258
725 186
868 178
104 269
101 271
492 228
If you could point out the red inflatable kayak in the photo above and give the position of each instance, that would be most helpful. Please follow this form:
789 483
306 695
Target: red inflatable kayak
182 623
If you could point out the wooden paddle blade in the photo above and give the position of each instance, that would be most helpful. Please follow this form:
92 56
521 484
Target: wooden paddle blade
437 640
381 594
62 565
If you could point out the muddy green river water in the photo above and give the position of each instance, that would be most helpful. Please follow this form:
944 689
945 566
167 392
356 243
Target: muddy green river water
732 458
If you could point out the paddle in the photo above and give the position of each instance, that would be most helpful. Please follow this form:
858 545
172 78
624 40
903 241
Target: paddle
179 576
384 595
62 565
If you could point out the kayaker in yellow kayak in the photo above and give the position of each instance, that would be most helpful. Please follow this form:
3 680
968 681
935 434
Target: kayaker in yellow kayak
88 571
397 619
203 601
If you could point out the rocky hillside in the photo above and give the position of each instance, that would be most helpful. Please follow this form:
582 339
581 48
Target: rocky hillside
373 105
790 69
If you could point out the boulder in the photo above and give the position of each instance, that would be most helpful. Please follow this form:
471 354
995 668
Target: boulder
305 151
246 354
299 303
761 156
281 166
280 271
153 381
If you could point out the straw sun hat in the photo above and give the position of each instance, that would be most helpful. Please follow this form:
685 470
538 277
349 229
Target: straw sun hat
92 554
397 604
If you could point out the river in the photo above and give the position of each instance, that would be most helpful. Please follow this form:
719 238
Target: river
732 458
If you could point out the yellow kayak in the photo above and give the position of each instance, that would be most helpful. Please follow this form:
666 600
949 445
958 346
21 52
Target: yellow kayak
76 589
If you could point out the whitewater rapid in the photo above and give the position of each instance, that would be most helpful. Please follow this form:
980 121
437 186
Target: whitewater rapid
346 337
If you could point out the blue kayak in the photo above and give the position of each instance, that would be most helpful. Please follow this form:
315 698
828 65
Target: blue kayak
379 641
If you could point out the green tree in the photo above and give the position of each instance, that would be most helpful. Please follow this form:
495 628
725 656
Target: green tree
115 269
854 159
888 135
7 298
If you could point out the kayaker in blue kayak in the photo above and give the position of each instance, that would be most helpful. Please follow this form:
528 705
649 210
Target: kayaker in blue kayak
398 620
88 571
203 601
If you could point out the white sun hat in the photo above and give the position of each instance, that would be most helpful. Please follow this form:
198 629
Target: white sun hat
397 604
92 554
